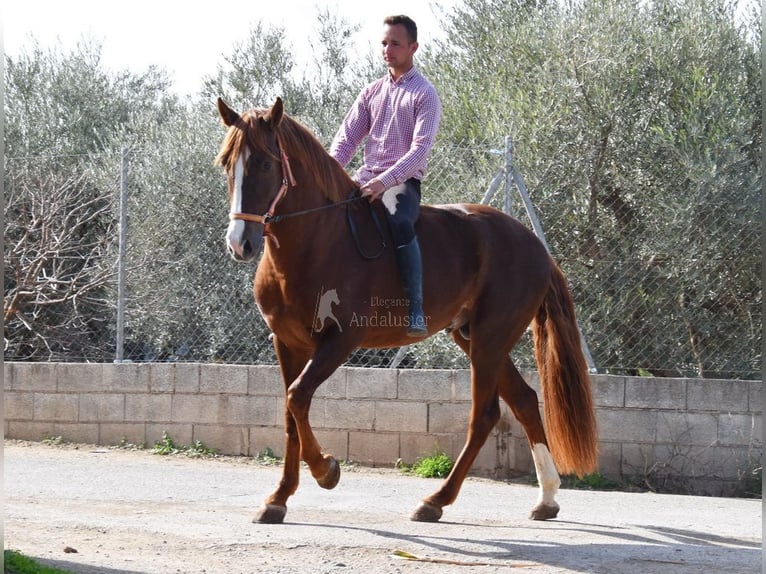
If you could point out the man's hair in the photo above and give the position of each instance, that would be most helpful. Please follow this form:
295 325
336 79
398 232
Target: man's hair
407 22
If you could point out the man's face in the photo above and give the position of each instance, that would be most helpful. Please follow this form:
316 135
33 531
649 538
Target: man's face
397 48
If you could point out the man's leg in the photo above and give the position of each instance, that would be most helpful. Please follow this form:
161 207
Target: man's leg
411 270
402 222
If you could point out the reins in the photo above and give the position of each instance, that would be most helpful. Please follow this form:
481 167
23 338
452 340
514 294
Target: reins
271 218
289 180
355 235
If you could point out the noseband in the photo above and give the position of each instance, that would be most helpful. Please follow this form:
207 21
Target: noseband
287 180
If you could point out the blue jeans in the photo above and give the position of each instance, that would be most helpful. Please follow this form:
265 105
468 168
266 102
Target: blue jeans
402 220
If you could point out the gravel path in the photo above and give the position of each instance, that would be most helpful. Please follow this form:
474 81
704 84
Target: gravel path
132 511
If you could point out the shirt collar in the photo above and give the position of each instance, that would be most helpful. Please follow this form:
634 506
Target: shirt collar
409 74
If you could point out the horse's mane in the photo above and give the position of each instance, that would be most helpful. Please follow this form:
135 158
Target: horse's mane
314 168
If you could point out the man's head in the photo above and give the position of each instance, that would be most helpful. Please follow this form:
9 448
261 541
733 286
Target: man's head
407 22
399 43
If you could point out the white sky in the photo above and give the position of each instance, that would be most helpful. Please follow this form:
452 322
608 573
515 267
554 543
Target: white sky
189 39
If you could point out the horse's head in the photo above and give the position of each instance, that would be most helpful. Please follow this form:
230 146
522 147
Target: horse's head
257 175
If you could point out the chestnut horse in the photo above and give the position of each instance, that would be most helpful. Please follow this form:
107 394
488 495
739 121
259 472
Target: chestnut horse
486 278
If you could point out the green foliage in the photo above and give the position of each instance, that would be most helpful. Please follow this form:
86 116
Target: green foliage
753 480
67 103
255 71
636 127
167 446
53 440
124 444
437 465
267 457
593 481
66 120
331 81
16 563
638 133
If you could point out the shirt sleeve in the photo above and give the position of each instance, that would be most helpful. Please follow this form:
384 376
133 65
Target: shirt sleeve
356 125
427 117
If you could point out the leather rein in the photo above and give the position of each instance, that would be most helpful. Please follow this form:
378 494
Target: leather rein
289 180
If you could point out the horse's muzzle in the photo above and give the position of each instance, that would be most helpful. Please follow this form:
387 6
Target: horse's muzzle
245 253
244 241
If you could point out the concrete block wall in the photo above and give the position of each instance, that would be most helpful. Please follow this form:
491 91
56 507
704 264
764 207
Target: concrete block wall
692 435
685 435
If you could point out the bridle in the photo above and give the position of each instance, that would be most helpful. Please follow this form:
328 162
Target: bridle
287 180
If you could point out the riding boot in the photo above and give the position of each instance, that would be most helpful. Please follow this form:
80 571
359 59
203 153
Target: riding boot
411 271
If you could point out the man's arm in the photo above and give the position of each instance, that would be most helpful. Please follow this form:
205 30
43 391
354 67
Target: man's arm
355 126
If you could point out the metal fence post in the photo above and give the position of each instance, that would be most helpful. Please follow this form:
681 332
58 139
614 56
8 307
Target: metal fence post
538 229
506 174
524 194
123 233
509 174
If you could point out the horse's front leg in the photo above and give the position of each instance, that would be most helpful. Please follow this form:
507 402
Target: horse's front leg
275 506
301 382
329 355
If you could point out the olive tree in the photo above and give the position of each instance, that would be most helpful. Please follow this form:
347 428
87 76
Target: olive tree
65 121
637 129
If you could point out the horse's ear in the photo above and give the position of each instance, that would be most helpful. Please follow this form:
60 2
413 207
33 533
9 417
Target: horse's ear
275 113
228 116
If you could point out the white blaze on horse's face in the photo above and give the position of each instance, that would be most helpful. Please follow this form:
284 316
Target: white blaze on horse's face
236 232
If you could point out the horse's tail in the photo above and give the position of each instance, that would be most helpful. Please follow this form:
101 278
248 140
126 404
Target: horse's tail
570 418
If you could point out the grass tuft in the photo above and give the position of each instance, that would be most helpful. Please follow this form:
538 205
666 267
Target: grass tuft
15 563
438 465
167 446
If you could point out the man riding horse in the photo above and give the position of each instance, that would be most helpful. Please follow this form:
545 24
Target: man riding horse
399 115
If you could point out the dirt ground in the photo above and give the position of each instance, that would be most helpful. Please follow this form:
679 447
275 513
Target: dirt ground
97 510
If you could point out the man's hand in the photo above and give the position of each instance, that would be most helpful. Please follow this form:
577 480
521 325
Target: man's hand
372 190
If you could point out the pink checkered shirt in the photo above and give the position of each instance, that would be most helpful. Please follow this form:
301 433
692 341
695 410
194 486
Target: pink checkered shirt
400 120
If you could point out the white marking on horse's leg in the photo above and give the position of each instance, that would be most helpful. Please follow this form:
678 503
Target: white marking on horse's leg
390 197
547 475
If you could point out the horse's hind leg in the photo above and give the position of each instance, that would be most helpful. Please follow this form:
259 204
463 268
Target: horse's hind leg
485 412
522 400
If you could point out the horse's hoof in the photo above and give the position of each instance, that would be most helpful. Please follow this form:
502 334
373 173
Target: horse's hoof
270 514
330 480
427 513
544 512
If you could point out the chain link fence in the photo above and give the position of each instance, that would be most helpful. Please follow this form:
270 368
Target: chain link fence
661 288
